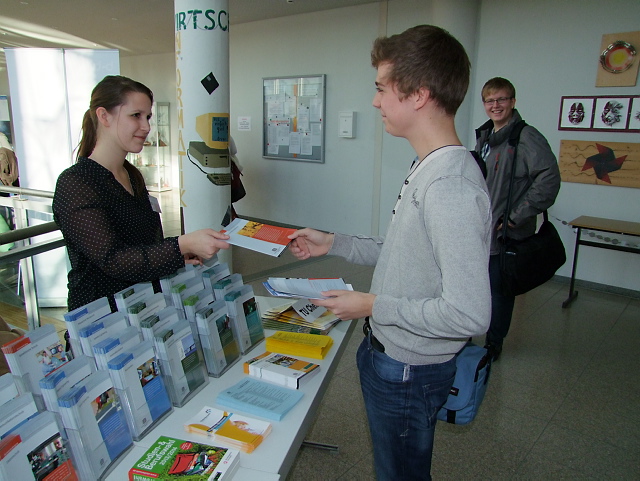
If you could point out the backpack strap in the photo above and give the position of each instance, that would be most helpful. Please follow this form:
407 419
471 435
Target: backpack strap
481 163
514 139
514 136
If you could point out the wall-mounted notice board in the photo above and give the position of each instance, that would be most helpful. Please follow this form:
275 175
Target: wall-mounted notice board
294 112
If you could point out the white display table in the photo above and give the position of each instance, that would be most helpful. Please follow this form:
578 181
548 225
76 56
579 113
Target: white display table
274 457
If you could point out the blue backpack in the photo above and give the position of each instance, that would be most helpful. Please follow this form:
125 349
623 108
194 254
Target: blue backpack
473 365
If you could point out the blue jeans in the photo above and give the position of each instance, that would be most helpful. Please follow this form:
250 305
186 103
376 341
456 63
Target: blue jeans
501 305
402 401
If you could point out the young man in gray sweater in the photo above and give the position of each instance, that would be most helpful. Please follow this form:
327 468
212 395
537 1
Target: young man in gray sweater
430 288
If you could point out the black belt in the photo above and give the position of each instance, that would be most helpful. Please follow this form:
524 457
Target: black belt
366 328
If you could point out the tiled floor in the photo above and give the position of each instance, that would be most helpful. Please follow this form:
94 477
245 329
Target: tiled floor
563 401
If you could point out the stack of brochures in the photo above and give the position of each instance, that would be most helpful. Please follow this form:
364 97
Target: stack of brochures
259 398
213 274
141 388
285 318
129 296
229 429
182 290
8 388
181 362
16 412
304 288
245 317
264 238
170 458
110 325
280 369
227 285
95 425
82 317
315 346
178 277
162 319
197 301
146 307
36 450
219 343
33 356
63 379
111 347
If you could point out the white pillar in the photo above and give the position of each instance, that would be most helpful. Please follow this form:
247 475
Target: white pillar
202 102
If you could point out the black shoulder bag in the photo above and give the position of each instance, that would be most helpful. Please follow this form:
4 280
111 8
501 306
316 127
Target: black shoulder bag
525 264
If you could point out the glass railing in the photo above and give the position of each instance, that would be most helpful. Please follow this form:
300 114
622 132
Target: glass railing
27 233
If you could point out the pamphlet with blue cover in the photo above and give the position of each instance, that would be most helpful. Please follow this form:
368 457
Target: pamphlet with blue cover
95 424
140 386
111 347
259 398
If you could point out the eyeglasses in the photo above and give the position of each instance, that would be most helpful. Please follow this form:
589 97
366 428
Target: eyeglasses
499 101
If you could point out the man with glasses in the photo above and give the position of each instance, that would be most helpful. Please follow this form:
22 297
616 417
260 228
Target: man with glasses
535 186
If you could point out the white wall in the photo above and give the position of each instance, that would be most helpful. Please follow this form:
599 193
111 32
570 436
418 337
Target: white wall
549 49
546 48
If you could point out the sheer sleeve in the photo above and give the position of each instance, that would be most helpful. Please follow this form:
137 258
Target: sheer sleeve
123 242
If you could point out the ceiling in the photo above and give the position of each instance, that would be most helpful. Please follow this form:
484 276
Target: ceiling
135 27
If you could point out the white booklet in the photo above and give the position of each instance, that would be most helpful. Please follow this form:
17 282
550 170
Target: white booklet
304 288
264 238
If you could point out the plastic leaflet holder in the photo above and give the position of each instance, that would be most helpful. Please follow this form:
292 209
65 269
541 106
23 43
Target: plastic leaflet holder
84 316
16 412
146 308
33 356
180 276
140 386
197 301
182 290
181 362
129 296
36 450
8 388
245 316
109 325
219 343
95 424
56 385
214 274
163 319
114 346
227 285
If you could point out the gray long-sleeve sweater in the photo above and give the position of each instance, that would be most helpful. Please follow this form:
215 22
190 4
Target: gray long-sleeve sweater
431 277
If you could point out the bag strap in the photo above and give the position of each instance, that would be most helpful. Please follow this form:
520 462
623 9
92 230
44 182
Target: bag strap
514 139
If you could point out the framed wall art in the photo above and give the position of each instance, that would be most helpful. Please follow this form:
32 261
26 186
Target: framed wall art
612 113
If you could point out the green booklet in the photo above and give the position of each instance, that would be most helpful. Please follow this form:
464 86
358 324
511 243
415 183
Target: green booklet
170 458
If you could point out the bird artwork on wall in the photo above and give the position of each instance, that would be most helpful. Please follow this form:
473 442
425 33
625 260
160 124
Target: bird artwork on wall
601 163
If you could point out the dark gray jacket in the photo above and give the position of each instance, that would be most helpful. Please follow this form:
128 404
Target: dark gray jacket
536 183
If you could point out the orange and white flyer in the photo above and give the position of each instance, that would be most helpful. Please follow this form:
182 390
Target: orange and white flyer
264 238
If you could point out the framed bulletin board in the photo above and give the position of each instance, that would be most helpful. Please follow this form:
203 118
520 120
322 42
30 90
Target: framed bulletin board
293 116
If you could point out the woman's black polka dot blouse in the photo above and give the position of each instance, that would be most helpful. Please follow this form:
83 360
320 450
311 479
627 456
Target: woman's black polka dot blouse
114 239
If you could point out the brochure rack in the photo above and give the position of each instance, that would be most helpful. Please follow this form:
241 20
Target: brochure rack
141 388
219 343
95 425
181 362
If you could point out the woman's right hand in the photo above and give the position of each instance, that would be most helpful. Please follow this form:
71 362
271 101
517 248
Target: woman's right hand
202 244
307 243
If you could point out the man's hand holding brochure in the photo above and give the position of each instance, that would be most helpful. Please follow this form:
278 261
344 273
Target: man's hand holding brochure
304 288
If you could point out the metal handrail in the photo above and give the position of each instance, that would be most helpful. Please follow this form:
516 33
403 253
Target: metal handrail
28 249
27 232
